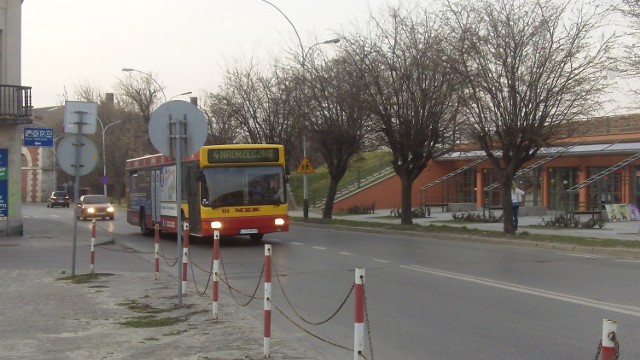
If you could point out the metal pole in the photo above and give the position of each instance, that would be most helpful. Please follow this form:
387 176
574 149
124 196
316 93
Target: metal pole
305 204
76 190
174 134
104 159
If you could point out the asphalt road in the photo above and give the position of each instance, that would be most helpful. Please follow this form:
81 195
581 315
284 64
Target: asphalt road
426 298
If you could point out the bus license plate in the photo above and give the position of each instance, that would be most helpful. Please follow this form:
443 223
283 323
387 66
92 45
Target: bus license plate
248 231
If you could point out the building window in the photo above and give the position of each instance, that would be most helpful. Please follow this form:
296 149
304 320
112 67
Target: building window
606 190
560 180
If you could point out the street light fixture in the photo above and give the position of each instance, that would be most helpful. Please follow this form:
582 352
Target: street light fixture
104 163
151 77
184 93
303 53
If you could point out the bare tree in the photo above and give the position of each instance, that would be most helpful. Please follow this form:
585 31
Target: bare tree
262 105
88 92
338 118
530 68
409 89
629 64
221 124
139 94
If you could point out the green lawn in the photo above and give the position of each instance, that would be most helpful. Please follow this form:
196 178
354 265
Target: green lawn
362 166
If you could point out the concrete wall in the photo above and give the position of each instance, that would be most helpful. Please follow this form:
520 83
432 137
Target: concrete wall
10 59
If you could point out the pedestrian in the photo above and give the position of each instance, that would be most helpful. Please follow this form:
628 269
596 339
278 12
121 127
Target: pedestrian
516 197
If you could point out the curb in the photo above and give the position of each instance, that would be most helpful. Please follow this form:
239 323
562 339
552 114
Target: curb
616 252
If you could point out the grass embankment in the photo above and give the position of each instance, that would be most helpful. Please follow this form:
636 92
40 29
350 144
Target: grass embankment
361 167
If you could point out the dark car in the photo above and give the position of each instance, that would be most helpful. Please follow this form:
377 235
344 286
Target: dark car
94 206
58 198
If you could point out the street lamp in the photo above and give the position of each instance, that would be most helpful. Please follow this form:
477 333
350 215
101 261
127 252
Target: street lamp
184 93
151 77
104 163
303 53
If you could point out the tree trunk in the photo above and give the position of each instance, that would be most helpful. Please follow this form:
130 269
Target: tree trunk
507 205
406 219
327 212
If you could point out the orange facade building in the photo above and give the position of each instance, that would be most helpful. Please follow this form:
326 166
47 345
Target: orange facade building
598 166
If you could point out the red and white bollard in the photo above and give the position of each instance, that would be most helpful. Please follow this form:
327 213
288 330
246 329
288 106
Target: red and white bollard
267 301
185 255
93 247
216 265
358 330
609 350
156 241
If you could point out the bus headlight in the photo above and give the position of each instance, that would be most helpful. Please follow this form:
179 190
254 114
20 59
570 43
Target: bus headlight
216 225
279 221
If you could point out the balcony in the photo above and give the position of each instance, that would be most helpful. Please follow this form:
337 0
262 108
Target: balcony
15 104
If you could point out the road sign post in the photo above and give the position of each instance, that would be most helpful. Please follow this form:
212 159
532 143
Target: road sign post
187 132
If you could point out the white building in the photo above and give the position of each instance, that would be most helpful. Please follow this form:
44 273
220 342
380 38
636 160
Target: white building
15 109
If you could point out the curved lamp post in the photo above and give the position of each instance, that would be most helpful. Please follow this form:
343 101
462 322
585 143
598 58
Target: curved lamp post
303 53
104 163
151 77
184 93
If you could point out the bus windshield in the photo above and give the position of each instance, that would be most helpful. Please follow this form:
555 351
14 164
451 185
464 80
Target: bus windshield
237 186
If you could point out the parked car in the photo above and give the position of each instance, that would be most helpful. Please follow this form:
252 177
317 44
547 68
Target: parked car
58 198
94 206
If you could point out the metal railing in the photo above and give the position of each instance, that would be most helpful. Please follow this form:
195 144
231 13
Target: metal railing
15 102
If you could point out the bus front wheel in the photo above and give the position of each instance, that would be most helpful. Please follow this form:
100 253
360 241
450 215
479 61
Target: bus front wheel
256 237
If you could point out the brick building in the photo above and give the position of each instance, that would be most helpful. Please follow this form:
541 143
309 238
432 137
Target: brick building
599 165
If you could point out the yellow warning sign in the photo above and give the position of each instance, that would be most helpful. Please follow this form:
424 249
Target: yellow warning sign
305 167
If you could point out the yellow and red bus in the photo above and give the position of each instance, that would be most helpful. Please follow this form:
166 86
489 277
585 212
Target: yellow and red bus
236 189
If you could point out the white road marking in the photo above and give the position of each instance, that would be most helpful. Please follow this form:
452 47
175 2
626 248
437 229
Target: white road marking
296 243
582 255
623 309
344 253
380 260
320 248
629 260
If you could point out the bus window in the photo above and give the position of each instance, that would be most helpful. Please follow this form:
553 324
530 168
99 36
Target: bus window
233 186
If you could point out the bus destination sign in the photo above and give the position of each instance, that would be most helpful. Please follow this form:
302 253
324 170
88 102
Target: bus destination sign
217 156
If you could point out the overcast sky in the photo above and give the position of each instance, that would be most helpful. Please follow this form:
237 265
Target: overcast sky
186 44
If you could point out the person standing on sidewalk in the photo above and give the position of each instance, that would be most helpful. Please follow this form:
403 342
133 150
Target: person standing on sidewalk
516 198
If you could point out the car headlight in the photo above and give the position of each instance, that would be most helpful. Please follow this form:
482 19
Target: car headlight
91 210
110 209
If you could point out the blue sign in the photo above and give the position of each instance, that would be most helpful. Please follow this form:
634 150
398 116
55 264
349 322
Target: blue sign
38 137
4 179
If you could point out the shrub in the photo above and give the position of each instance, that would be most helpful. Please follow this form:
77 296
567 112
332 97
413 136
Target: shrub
477 217
570 220
419 212
361 209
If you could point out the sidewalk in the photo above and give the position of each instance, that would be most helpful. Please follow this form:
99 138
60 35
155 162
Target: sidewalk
44 317
623 230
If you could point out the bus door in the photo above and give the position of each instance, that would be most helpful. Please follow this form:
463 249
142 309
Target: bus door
193 198
155 195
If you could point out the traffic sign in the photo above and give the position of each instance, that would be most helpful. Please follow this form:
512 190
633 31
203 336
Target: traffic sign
305 167
67 155
177 119
38 137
